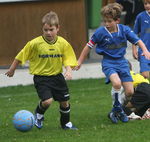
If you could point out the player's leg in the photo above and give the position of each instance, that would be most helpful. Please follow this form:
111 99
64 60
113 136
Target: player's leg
64 110
129 89
65 116
121 96
40 110
112 75
116 86
41 84
61 94
117 107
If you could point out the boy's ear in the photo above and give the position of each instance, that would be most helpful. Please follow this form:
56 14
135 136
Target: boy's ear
58 27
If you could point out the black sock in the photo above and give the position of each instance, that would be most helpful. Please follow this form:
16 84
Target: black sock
64 115
40 109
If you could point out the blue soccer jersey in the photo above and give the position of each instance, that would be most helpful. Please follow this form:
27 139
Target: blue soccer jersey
113 48
142 28
112 45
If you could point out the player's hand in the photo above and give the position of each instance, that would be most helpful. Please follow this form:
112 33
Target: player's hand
146 54
68 75
10 73
77 67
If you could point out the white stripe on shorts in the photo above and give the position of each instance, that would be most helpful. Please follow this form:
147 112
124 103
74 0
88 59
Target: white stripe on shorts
66 95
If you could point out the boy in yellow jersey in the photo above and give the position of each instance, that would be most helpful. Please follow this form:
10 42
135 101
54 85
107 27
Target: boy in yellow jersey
140 100
137 79
47 54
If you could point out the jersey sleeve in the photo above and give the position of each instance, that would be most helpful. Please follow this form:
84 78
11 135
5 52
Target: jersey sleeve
131 36
91 43
69 57
24 54
93 40
137 25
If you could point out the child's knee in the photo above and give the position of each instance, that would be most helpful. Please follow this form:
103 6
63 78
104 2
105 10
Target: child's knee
117 85
129 92
64 104
47 102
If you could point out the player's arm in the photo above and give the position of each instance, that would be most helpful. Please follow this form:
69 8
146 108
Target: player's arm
145 53
12 68
134 51
83 56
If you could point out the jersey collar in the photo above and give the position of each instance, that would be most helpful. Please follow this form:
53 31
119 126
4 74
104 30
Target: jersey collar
147 13
53 42
110 33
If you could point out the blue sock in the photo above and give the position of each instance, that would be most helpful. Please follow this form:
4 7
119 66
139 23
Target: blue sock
116 103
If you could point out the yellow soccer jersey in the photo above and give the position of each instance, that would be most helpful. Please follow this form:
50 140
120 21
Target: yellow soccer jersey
47 59
138 78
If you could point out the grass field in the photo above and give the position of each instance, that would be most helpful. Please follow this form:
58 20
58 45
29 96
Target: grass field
90 104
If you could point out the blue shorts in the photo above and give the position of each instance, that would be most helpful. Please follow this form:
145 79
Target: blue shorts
144 66
119 66
144 63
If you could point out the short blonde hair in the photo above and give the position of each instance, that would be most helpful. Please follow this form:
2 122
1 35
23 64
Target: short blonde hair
51 18
112 10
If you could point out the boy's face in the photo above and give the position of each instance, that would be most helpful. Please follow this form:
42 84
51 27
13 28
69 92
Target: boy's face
111 24
147 5
50 32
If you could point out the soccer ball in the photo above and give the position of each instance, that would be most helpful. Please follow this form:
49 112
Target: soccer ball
23 120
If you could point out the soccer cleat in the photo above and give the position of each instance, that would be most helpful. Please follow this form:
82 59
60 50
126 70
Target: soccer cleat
122 116
39 122
117 109
69 126
113 117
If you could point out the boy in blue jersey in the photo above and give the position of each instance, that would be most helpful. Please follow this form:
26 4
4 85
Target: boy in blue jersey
142 28
111 42
47 54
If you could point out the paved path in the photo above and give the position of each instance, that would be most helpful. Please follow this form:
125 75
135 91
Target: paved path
22 77
88 70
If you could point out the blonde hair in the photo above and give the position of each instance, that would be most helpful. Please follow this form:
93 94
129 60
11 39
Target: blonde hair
51 19
112 10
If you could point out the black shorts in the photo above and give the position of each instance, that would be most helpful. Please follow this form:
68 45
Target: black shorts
141 98
51 87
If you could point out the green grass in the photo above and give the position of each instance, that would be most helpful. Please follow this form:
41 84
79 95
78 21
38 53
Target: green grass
90 104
